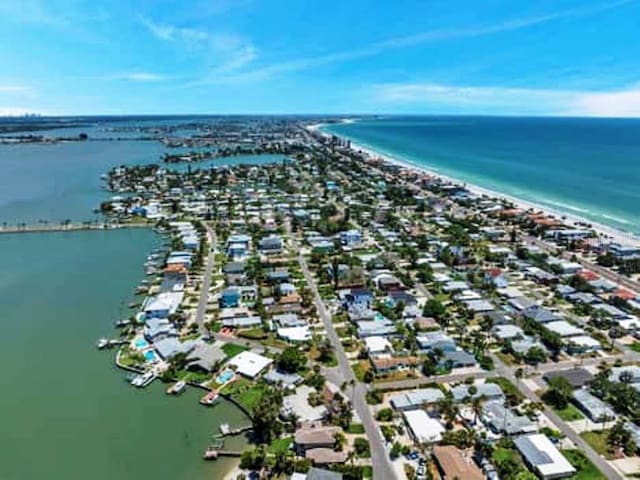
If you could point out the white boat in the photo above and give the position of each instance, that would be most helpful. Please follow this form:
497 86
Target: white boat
177 388
144 380
102 343
210 398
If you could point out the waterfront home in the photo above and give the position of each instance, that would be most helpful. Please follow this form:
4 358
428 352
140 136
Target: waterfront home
415 399
543 457
205 357
283 379
314 436
249 364
158 328
422 428
169 347
297 404
162 305
452 464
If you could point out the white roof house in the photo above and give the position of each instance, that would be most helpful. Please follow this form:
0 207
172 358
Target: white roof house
543 456
424 429
377 344
564 328
250 364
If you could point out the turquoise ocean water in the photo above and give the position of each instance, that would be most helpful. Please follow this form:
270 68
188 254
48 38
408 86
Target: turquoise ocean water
584 167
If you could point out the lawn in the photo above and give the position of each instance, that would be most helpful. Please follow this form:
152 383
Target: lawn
280 445
231 349
355 428
360 368
598 441
569 413
245 392
253 334
586 469
635 346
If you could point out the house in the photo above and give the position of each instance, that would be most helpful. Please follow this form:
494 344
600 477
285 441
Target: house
249 364
596 409
415 399
205 357
297 404
270 245
458 359
389 364
358 297
541 315
375 344
162 305
496 278
320 474
629 373
507 332
325 456
500 419
230 297
429 341
577 377
351 238
286 380
487 391
543 457
453 465
423 428
315 436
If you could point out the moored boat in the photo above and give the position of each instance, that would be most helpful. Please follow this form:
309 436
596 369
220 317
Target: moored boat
210 398
177 388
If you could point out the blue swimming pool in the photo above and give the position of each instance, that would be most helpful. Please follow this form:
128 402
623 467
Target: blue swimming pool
141 343
224 377
150 356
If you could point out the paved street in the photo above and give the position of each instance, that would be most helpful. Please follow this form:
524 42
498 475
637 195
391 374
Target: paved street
382 467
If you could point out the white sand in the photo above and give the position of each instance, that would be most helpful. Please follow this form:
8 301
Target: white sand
569 219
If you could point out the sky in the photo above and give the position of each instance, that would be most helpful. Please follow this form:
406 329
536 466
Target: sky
493 57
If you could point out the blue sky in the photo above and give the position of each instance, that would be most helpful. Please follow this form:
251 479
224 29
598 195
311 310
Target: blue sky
514 57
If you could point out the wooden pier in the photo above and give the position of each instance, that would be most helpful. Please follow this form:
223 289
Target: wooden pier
42 227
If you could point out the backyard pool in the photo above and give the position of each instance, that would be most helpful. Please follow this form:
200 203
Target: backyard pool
224 377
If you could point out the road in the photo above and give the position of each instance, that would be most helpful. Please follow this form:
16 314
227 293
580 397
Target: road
381 463
203 301
608 471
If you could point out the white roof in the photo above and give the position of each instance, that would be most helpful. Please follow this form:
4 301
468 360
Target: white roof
249 364
543 455
295 334
425 429
377 344
564 328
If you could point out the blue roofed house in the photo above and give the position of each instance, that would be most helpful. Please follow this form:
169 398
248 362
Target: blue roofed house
271 245
351 238
230 297
238 246
358 298
430 341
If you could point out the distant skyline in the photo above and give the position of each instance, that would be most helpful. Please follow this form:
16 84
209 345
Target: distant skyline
548 57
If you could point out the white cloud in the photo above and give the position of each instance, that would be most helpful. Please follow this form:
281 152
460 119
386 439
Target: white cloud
377 48
171 32
490 99
139 77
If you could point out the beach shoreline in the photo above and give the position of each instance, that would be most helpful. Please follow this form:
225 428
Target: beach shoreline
574 220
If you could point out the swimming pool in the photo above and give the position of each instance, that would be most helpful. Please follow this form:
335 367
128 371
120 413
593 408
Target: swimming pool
141 343
150 356
224 377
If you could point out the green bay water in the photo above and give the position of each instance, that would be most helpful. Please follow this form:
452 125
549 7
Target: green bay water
68 413
589 167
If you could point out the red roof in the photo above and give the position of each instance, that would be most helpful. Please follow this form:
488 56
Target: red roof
624 294
588 275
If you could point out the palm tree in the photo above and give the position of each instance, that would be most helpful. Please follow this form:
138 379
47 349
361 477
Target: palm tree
476 406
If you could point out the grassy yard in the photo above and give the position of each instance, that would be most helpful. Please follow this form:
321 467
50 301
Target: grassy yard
253 334
356 429
231 349
586 469
280 445
598 441
569 413
635 346
360 368
246 393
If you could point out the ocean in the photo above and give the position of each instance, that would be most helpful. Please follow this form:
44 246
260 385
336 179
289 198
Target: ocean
584 167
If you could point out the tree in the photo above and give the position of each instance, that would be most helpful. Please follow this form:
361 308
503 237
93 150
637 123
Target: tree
266 424
558 393
535 355
434 308
291 360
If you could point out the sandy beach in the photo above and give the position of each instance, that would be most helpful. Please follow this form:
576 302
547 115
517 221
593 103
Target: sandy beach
605 231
